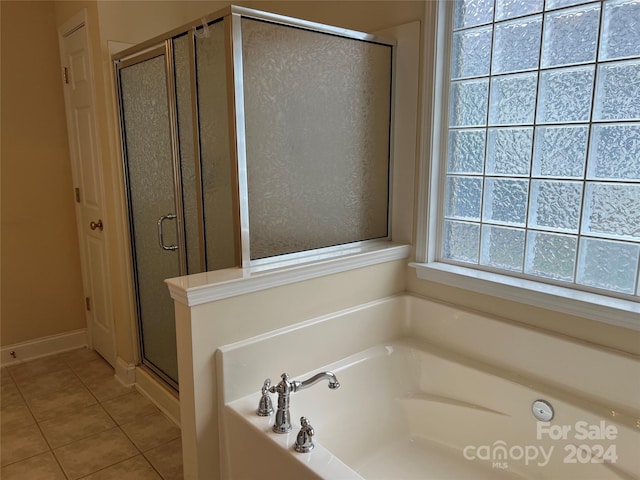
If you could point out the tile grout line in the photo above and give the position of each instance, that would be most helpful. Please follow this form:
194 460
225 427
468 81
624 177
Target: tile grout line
53 454
108 466
100 403
24 399
119 426
141 452
37 423
116 425
64 472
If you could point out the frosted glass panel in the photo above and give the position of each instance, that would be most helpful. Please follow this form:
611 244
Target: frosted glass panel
466 151
513 99
611 210
571 36
463 197
218 182
517 8
551 256
502 247
509 151
512 50
471 53
317 110
609 265
505 201
564 3
615 152
621 30
461 241
468 103
617 95
149 168
468 13
565 95
190 200
560 151
555 205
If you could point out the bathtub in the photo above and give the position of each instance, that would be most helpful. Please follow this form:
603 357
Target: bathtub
410 407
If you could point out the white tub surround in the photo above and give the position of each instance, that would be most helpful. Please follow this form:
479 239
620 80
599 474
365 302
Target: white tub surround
208 287
426 391
218 308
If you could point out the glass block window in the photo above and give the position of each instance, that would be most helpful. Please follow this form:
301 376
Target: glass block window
542 164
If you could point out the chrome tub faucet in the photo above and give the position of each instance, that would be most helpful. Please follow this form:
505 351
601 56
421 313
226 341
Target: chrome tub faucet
286 387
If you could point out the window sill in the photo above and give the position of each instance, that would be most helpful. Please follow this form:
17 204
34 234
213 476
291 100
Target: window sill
614 311
208 287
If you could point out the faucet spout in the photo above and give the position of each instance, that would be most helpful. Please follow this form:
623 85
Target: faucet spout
330 376
285 388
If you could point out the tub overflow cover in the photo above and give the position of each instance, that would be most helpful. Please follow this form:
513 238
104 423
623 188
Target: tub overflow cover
542 410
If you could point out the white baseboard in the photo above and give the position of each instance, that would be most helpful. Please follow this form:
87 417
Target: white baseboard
125 372
159 395
41 347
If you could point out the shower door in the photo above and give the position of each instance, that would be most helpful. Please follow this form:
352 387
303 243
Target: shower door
154 200
179 176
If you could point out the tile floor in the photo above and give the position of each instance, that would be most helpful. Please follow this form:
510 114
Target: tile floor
65 417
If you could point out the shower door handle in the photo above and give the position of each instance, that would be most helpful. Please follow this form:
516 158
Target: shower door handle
170 216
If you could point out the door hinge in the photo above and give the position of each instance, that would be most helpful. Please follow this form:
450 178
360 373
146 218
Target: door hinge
77 190
66 75
87 300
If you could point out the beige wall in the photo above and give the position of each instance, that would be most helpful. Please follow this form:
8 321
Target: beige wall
366 16
136 21
41 282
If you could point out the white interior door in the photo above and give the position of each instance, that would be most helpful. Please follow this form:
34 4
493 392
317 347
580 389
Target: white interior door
87 177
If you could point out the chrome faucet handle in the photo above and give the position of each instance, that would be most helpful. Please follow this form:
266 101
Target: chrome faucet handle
284 387
265 407
304 442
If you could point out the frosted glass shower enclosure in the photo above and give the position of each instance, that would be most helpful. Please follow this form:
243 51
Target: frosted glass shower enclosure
248 139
